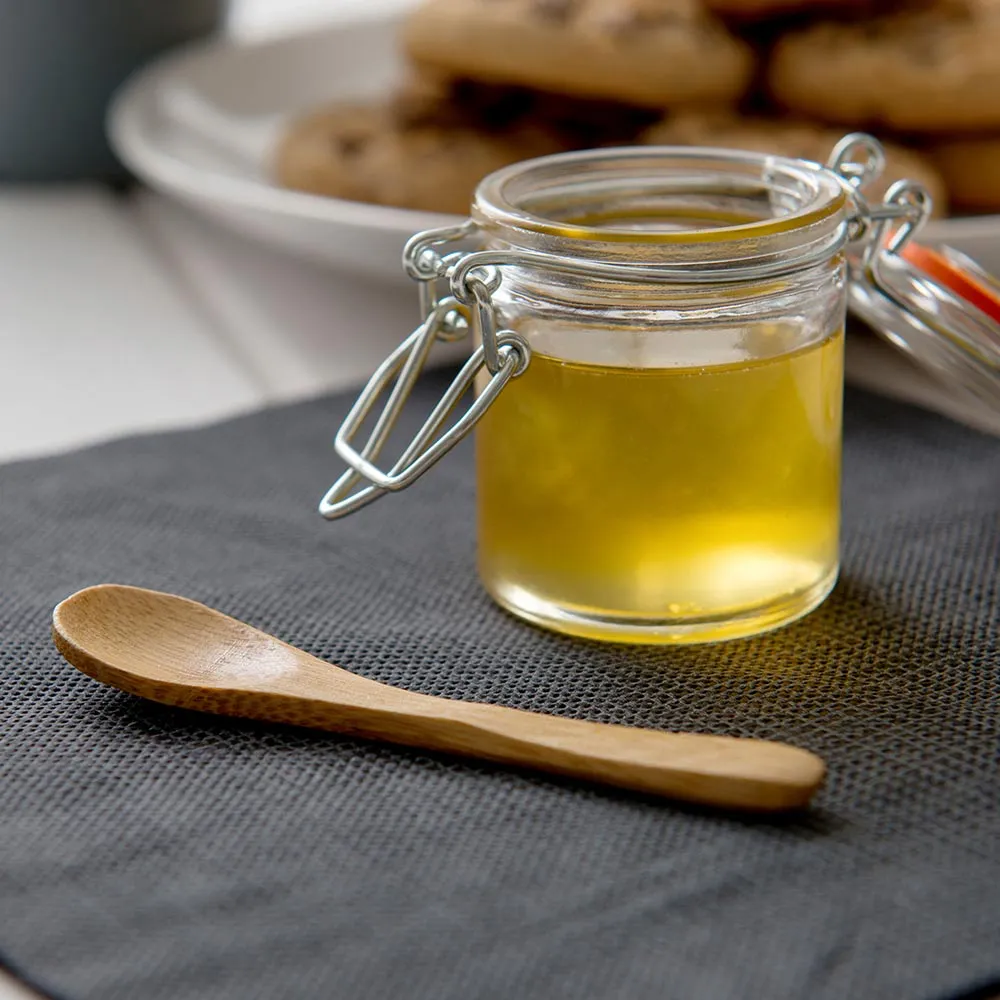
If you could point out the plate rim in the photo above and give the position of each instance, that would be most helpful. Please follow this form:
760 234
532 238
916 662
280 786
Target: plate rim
124 125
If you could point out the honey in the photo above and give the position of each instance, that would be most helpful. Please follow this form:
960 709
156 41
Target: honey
664 504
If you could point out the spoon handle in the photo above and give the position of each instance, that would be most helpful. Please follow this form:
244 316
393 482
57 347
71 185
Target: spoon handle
722 771
711 770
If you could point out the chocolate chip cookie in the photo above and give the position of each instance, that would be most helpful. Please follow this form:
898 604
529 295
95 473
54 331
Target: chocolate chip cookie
971 170
654 53
789 138
375 154
579 122
763 10
920 71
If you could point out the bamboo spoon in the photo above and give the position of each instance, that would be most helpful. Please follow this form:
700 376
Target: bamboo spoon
179 652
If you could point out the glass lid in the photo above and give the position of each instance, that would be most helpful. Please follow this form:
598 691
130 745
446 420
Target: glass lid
934 303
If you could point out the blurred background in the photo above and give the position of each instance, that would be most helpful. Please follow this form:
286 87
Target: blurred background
232 238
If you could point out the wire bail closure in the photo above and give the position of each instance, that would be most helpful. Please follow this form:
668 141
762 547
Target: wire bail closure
456 291
468 307
932 321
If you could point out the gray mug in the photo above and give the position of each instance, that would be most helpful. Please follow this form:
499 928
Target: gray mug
60 61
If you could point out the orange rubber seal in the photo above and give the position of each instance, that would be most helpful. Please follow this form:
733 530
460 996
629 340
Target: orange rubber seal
958 281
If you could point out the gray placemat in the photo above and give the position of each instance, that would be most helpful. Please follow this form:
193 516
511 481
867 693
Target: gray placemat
148 852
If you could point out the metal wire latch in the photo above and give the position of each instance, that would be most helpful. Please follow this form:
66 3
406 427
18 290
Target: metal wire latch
455 302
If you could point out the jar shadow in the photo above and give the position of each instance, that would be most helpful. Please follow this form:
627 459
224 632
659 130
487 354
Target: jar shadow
859 682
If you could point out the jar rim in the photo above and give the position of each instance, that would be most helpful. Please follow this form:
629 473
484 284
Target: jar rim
496 205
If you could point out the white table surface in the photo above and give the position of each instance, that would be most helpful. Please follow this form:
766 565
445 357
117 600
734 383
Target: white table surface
127 314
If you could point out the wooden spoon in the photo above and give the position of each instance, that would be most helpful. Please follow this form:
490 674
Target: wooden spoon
179 652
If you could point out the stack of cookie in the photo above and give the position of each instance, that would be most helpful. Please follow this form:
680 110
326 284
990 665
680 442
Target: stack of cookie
930 73
496 81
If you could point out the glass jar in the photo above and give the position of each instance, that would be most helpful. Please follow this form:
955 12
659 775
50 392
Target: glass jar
659 374
667 468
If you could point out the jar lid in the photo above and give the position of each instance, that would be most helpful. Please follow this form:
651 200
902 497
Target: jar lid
935 304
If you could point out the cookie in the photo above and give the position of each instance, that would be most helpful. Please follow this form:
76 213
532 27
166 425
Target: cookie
921 71
742 11
654 53
372 154
579 122
971 170
796 139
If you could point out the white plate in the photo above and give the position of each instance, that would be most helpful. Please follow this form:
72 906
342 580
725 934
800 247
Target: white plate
201 125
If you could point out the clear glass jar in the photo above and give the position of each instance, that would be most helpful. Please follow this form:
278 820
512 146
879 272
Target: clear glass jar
659 366
667 468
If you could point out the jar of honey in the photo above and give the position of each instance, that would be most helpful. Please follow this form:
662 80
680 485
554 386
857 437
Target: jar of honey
658 377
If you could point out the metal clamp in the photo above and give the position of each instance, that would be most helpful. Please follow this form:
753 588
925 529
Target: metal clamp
502 352
858 159
913 205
